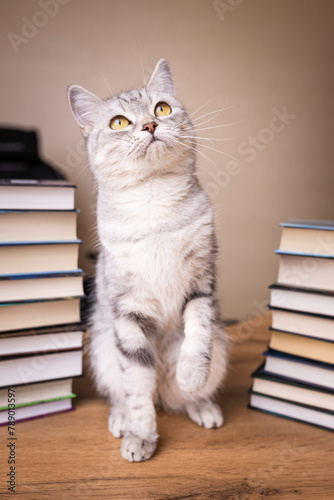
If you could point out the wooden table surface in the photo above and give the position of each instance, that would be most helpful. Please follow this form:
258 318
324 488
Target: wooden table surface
254 455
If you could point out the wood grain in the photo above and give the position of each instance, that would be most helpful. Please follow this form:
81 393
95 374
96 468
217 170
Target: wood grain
252 456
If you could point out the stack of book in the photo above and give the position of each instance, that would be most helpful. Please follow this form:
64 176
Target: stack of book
297 378
40 290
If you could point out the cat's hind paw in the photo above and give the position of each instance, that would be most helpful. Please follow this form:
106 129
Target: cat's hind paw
208 415
117 424
136 449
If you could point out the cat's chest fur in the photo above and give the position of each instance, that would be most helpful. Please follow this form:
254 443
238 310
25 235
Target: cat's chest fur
153 236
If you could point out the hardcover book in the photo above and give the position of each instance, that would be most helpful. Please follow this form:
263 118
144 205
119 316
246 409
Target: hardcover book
19 370
39 313
290 390
293 411
307 237
33 194
303 323
36 393
303 346
39 257
41 286
302 299
299 369
38 225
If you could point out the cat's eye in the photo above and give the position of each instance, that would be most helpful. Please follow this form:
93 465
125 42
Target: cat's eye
119 122
162 109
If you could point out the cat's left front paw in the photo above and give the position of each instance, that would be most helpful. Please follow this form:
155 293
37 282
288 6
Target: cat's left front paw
192 373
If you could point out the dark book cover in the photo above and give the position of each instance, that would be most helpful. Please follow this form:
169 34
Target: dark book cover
289 418
304 313
302 405
43 381
36 183
73 327
32 301
278 286
297 359
262 374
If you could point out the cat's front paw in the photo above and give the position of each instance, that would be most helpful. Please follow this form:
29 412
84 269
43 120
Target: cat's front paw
136 449
192 373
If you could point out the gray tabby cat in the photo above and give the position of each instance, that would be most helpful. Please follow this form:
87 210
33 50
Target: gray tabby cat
156 333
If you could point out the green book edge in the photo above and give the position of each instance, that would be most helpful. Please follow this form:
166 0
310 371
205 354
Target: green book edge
72 395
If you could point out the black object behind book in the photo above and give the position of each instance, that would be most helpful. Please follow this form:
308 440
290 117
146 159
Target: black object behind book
19 157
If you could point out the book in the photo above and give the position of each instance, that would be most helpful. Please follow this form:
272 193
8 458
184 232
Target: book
17 344
40 367
296 380
302 299
40 286
294 411
311 237
306 271
38 257
290 390
39 313
303 323
37 225
32 194
300 345
41 337
299 369
39 410
39 392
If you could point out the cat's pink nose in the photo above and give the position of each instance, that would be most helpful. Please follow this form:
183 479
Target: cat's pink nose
150 126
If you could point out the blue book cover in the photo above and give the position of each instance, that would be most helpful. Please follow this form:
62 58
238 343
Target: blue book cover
324 225
31 243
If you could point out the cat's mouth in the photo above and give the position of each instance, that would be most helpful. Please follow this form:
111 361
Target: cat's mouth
154 142
150 146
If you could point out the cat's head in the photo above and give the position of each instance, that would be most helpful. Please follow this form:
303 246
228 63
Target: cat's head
137 134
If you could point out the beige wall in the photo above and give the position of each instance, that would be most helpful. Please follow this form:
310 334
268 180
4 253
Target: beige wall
261 57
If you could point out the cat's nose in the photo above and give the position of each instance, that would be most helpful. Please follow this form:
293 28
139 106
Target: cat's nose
150 126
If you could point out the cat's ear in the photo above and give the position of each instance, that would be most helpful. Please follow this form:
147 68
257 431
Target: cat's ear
84 106
162 80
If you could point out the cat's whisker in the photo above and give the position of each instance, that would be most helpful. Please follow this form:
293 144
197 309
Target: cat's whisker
218 151
199 152
196 110
219 126
213 112
216 113
211 127
207 138
107 84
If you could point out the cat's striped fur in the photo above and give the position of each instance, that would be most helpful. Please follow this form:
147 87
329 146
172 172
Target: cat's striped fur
156 333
